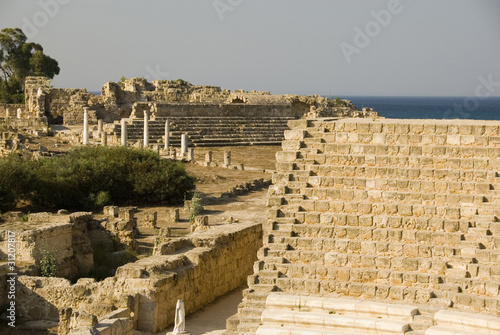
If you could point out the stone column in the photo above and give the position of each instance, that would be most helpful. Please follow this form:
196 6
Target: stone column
124 132
167 135
227 158
19 113
174 154
7 113
191 154
104 139
85 125
184 144
99 127
208 158
146 128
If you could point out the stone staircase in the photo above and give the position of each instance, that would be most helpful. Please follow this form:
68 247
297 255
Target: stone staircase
459 323
390 210
301 314
210 131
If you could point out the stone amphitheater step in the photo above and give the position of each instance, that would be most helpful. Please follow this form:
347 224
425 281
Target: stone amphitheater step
438 197
381 139
438 330
278 330
449 321
404 269
326 203
390 181
248 323
206 131
414 162
341 306
448 151
334 322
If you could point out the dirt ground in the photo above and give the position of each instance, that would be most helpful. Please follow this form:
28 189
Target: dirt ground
210 183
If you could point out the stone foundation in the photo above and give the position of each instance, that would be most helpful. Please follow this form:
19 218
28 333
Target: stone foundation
63 235
197 268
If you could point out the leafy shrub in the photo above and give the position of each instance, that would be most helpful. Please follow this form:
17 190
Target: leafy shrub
48 264
195 208
88 178
16 180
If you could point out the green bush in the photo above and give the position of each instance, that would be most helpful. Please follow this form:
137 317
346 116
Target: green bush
16 181
88 178
48 264
195 208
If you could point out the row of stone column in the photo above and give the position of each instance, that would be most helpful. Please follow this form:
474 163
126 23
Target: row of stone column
19 113
226 157
124 132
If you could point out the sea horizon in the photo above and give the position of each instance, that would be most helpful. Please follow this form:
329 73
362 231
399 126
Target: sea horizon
430 107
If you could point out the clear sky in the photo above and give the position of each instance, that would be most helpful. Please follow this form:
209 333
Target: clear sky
328 47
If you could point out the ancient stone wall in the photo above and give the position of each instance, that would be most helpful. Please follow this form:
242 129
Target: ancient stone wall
12 110
169 98
63 235
399 210
213 110
197 268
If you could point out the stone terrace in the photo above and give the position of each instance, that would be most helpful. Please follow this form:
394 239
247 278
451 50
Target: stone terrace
399 211
210 131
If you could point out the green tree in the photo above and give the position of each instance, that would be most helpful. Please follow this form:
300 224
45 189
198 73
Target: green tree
19 59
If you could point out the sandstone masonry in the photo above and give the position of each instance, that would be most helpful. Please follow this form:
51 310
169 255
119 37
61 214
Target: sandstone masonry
390 210
197 268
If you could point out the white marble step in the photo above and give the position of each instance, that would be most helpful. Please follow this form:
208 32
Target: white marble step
342 306
270 330
438 330
344 323
468 322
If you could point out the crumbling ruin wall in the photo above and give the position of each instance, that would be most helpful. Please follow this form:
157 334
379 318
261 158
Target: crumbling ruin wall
67 104
400 210
63 235
11 110
197 268
169 98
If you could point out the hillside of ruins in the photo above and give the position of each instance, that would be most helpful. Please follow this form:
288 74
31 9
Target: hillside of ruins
330 219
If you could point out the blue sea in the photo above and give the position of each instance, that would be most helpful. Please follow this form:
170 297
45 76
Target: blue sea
431 107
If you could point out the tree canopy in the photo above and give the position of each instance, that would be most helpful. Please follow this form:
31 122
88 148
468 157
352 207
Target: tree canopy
19 59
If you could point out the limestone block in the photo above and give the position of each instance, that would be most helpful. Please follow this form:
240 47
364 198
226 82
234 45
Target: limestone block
291 145
286 156
111 211
467 139
201 220
80 319
173 215
150 219
453 139
295 134
126 213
